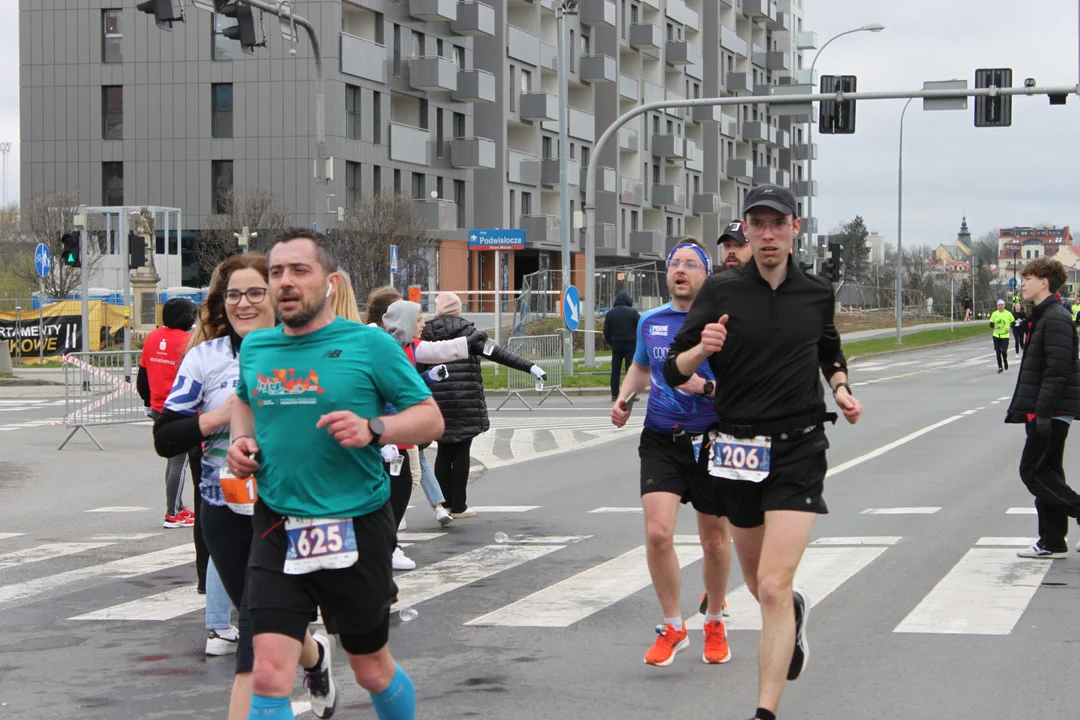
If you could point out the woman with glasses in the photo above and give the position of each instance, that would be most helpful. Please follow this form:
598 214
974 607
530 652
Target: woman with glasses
199 410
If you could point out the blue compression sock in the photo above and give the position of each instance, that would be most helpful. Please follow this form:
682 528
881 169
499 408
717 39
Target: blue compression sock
270 708
398 700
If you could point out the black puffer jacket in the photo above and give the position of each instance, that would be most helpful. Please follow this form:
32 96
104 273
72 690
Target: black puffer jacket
461 395
1049 380
620 324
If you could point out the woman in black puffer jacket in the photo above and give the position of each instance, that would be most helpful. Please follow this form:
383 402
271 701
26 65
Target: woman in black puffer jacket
461 399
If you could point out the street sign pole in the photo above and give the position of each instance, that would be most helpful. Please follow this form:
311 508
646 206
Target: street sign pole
43 265
498 297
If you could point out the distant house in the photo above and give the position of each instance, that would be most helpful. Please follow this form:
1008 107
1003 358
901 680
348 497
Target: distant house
1018 245
954 259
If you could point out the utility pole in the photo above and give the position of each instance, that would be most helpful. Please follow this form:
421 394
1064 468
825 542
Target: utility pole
564 8
5 148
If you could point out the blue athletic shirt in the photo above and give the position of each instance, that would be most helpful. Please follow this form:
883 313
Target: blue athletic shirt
669 407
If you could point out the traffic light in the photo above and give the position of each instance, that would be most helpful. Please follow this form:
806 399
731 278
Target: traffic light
247 31
833 267
165 12
837 118
993 111
69 249
136 251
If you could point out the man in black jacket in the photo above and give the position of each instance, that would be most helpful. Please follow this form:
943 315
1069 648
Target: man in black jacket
1046 400
620 333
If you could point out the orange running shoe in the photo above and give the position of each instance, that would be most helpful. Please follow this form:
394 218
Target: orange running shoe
669 643
703 607
717 649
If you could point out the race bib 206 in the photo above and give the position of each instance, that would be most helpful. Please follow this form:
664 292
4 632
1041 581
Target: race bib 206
740 458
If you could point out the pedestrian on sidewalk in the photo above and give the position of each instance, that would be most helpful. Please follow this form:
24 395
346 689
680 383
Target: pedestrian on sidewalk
461 399
1046 401
1001 320
620 333
1019 328
161 355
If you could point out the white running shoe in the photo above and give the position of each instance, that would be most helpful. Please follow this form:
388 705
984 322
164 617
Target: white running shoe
401 525
319 681
401 562
442 515
222 641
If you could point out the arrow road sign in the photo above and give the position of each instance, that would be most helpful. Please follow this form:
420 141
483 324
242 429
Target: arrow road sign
42 260
393 259
1012 283
571 305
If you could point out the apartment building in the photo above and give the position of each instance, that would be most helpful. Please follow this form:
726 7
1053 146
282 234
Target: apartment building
452 97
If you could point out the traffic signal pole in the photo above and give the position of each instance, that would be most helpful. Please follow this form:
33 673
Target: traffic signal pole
839 97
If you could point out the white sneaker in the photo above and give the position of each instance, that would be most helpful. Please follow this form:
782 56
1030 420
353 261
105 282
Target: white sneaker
401 562
443 515
322 693
1038 552
222 642
401 525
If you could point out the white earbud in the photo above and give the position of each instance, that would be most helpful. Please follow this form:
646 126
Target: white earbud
329 288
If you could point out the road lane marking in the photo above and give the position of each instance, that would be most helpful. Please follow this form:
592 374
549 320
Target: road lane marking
503 508
985 593
890 446
117 509
419 536
588 592
5 536
901 511
857 540
1021 511
48 551
120 538
159 607
602 510
1006 541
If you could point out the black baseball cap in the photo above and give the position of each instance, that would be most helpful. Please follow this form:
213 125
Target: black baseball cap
734 231
773 197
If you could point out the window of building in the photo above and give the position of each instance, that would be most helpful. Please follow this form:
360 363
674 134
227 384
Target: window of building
546 148
111 36
656 124
656 174
222 48
513 84
584 157
633 219
221 181
572 150
376 118
459 198
670 226
526 203
112 112
459 125
633 14
440 47
221 110
439 187
352 184
376 180
513 218
526 81
397 180
572 53
417 44
397 50
586 43
459 56
440 143
424 122
112 183
419 189
352 112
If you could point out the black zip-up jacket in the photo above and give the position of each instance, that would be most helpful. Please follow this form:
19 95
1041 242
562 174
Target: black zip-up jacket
620 324
1048 383
778 342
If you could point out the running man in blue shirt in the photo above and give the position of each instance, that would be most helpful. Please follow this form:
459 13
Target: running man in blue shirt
671 470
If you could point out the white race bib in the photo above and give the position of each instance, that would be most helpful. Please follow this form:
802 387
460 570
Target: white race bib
740 458
319 544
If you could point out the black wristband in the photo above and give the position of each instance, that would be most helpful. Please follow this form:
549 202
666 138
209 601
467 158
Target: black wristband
238 437
842 385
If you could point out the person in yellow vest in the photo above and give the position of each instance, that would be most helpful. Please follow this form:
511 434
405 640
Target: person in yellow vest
1001 320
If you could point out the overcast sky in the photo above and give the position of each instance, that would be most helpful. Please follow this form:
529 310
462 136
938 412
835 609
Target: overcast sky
1020 175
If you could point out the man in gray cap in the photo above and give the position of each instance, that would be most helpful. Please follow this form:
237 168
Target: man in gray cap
734 247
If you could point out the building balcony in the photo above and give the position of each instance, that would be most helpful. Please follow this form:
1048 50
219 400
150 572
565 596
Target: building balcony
433 73
580 124
409 144
549 57
680 13
542 230
804 188
759 132
474 18
773 60
695 156
475 153
781 23
539 106
433 10
631 191
522 45
809 226
474 86
680 52
726 211
628 140
598 68
437 214
730 41
607 180
806 40
765 175
803 151
645 242
629 87
597 12
740 82
783 139
670 146
672 197
653 92
647 38
522 167
729 126
706 113
783 178
549 173
606 239
706 204
760 10
740 169
803 76
363 58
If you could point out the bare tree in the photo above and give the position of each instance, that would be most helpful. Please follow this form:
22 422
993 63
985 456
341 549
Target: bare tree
986 247
45 218
370 228
917 268
259 210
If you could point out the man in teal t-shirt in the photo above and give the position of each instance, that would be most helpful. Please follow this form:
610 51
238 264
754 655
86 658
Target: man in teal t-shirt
309 430
1001 320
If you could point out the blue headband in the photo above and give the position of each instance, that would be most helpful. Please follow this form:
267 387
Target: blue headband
705 259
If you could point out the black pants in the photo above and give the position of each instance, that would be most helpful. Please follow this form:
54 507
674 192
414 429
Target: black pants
452 472
1042 472
620 359
400 489
1001 350
228 537
1018 336
202 555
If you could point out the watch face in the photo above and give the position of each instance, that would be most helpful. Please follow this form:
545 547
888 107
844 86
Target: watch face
376 426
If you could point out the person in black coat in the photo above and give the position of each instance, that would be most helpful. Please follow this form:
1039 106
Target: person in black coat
1019 327
1046 400
620 333
461 399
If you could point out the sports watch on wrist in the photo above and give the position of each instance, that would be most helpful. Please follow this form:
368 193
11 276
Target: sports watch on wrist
842 385
709 387
377 429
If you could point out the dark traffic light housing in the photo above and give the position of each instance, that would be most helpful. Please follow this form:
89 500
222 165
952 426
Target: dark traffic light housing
165 12
69 249
248 30
993 111
837 118
833 267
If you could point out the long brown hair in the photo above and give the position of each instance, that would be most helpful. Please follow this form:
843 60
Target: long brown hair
213 321
345 299
378 302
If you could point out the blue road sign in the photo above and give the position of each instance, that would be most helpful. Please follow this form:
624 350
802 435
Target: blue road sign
1012 283
496 239
393 258
42 260
571 308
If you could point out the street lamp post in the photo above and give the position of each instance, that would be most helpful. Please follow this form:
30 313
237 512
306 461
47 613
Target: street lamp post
899 230
873 27
564 8
5 148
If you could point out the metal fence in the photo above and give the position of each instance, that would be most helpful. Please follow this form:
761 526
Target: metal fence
544 350
99 389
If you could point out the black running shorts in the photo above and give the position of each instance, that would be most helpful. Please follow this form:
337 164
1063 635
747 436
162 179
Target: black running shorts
668 465
796 482
355 601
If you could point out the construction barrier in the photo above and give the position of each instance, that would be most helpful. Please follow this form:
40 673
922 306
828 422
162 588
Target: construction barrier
545 351
99 389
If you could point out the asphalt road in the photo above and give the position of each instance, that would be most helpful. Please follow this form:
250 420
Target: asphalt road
922 609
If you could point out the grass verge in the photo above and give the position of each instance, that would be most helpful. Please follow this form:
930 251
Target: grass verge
862 348
591 377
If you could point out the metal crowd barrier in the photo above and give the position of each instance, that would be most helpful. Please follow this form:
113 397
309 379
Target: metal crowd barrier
99 389
547 352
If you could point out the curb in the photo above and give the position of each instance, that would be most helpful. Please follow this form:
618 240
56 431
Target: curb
901 351
27 382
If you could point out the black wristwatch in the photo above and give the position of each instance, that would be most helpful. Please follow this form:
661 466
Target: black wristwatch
377 429
709 387
842 385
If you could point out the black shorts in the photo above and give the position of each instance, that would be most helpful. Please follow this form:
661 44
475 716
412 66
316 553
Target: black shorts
355 601
796 482
668 465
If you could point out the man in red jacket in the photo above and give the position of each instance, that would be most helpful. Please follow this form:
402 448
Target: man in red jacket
161 356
